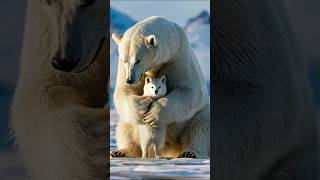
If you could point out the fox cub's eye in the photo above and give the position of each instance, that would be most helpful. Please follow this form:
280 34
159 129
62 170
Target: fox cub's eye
125 61
159 87
152 87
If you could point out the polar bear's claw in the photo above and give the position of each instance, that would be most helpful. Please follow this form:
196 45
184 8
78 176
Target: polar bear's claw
187 154
117 154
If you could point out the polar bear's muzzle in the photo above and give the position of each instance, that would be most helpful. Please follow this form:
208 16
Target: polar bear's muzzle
64 64
132 78
133 75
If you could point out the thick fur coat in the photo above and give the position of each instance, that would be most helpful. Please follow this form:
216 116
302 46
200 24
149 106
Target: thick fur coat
263 120
158 46
59 120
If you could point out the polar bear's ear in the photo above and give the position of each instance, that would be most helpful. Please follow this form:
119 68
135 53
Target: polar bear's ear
148 80
163 79
117 37
151 41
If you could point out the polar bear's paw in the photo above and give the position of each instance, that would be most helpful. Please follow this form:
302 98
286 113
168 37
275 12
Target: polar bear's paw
159 157
187 154
117 154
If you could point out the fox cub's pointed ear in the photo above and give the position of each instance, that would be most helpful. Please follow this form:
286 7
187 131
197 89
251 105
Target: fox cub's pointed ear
148 80
151 41
163 79
117 38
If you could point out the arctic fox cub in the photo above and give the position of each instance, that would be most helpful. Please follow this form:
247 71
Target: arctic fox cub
153 87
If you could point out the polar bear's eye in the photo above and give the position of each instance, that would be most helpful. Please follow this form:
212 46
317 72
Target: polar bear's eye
137 62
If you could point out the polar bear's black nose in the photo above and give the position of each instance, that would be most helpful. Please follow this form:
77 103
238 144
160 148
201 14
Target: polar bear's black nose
129 81
64 64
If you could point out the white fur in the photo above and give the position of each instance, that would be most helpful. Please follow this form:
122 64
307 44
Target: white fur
185 108
263 118
58 118
157 88
77 28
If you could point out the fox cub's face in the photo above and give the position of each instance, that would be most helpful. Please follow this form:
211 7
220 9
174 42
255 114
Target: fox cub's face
155 86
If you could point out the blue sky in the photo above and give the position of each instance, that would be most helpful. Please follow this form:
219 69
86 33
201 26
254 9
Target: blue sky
178 11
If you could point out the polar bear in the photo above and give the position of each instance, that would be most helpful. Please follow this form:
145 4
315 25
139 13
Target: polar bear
60 119
156 46
156 88
263 117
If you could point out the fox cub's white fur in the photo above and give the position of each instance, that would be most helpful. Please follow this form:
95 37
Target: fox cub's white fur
153 87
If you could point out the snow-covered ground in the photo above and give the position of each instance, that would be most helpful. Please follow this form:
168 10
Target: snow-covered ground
137 168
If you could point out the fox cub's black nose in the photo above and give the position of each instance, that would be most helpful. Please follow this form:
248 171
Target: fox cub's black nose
156 91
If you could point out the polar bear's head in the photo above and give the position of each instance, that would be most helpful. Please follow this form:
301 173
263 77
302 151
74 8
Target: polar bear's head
137 54
146 46
78 29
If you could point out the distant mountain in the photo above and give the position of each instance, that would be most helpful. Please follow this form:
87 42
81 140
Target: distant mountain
202 18
119 22
198 32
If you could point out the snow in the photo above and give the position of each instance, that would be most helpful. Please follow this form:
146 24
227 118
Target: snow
138 168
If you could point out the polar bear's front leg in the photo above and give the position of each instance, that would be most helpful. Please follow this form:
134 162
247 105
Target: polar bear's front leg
178 106
127 136
131 107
